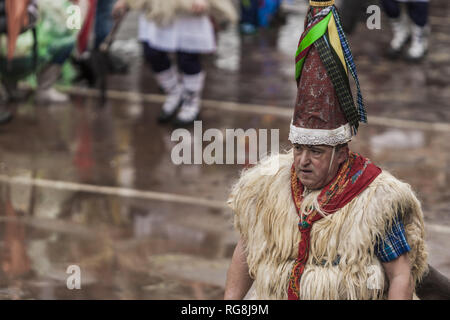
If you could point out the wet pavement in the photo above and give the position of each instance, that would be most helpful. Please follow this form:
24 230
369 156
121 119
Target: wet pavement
95 186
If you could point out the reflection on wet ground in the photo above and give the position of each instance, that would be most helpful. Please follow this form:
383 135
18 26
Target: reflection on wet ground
95 186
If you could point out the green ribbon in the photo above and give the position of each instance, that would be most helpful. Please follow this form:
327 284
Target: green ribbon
313 35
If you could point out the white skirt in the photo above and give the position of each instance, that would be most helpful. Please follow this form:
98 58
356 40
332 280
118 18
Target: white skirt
191 34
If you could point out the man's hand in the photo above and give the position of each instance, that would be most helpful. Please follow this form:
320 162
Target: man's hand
119 9
199 6
400 279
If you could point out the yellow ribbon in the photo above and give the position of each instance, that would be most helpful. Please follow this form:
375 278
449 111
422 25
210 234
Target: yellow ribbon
336 42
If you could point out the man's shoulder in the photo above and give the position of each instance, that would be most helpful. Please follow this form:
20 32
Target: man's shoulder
271 174
386 182
270 167
388 193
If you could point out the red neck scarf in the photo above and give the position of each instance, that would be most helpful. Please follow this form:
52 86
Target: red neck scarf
352 178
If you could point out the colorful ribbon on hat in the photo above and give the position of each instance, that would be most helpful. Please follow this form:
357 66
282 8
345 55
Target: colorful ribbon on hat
309 38
351 65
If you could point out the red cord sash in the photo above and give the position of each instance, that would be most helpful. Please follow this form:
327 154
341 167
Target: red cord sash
352 178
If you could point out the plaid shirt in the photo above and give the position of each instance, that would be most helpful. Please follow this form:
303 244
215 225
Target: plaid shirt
394 244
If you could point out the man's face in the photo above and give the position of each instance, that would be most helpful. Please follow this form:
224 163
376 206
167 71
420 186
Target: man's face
312 164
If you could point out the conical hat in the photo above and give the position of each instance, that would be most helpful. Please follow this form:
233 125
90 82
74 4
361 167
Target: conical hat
318 117
324 112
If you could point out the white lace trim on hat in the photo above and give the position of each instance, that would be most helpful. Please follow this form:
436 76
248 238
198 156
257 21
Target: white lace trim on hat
341 135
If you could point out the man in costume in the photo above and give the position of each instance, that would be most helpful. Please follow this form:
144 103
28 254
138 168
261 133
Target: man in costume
329 224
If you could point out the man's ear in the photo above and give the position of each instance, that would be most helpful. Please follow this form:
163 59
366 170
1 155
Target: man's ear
342 154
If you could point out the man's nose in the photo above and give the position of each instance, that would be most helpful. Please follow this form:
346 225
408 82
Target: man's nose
305 159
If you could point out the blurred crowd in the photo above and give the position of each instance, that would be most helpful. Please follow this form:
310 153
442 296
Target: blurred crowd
46 41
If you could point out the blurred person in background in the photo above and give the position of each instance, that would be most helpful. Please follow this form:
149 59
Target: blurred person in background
416 28
249 16
258 13
103 20
99 22
56 42
183 27
36 56
22 16
5 114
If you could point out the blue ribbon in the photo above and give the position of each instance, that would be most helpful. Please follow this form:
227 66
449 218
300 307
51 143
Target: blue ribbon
351 65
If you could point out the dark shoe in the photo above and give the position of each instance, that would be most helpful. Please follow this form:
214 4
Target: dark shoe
165 117
187 122
116 65
5 116
394 54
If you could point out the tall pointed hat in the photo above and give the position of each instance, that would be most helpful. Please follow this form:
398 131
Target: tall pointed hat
325 112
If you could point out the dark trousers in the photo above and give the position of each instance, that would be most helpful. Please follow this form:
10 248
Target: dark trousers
62 54
103 20
188 63
418 11
249 12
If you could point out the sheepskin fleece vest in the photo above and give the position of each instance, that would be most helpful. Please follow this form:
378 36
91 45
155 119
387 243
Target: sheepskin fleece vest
342 263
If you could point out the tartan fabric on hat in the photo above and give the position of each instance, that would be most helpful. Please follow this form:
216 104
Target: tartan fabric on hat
351 65
339 80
